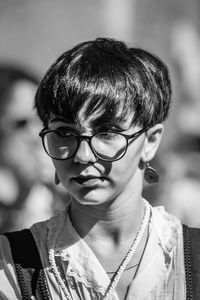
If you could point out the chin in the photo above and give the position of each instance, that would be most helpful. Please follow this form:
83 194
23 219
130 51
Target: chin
92 198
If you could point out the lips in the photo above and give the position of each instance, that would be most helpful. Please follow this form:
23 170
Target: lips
88 180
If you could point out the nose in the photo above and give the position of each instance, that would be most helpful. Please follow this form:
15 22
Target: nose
84 154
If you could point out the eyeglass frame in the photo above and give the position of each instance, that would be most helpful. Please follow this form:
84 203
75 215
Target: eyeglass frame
81 138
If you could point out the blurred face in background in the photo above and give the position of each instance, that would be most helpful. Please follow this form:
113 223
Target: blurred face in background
21 148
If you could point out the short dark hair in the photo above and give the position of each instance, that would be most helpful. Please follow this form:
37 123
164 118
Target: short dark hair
103 82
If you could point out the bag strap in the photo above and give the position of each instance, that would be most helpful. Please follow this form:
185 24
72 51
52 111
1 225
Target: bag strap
28 265
192 261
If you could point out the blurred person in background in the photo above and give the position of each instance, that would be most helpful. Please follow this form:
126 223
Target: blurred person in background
185 54
179 189
102 105
25 174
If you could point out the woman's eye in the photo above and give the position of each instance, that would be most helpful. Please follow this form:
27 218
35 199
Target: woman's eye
64 133
108 136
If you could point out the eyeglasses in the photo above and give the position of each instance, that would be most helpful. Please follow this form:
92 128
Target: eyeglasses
63 143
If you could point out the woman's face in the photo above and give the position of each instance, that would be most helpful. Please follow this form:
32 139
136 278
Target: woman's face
93 181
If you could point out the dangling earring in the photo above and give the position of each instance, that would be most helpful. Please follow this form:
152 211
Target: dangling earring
150 174
57 180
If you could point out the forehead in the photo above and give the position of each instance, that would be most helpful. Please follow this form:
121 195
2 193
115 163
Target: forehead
84 126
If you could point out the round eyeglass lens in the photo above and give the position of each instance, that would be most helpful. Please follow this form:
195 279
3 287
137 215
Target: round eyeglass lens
60 144
109 145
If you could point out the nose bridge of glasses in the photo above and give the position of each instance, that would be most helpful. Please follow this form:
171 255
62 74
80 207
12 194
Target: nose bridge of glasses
84 150
84 138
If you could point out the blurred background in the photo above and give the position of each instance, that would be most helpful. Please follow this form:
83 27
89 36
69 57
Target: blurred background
33 34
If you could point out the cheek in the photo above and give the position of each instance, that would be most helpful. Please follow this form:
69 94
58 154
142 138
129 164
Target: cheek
123 171
127 166
62 169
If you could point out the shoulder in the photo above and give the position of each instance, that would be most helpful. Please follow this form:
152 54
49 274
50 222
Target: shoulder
43 231
159 213
168 227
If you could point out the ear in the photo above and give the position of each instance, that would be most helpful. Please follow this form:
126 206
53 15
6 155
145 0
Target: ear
152 141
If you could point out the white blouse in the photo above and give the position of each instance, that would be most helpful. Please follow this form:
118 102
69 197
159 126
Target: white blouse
161 274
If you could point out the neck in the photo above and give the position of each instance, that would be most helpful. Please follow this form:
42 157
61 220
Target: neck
117 222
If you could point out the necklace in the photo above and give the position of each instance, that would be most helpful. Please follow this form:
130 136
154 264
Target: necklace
129 268
111 288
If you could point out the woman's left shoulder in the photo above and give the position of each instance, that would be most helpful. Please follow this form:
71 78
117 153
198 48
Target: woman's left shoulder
168 227
160 213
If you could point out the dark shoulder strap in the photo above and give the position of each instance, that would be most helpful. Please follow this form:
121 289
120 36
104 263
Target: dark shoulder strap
28 264
192 261
21 242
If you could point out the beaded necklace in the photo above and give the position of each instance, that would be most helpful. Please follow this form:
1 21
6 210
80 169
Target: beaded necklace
111 288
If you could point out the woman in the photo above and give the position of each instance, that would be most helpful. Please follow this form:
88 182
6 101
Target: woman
102 105
25 171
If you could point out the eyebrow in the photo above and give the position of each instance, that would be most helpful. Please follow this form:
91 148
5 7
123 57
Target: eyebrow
101 128
60 119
